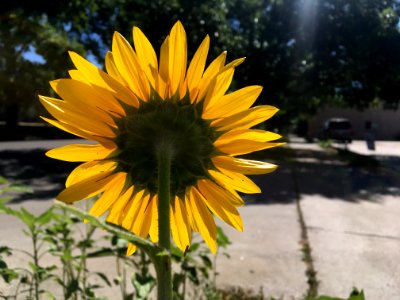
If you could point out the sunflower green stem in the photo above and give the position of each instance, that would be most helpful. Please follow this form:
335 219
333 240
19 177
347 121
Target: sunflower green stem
164 276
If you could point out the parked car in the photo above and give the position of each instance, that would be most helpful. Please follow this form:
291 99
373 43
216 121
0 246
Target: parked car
338 129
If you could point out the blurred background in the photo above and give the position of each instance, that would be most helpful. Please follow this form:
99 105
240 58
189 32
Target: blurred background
315 59
327 220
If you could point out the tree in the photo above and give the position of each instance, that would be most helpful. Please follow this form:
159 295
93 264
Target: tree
348 54
305 53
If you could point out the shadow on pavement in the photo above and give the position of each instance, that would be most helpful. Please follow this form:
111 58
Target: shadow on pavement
44 175
329 173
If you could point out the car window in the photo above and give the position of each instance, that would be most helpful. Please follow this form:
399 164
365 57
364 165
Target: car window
340 125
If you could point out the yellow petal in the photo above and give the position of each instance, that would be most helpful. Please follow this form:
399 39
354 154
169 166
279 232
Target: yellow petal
180 228
141 221
86 188
102 119
153 231
247 134
128 66
59 111
141 224
245 119
146 55
75 131
212 71
117 208
196 68
69 128
203 219
217 200
177 57
174 229
78 76
239 147
189 211
215 66
233 64
133 209
244 166
87 98
80 152
97 77
89 169
235 198
236 181
164 66
112 69
233 103
131 249
218 88
111 194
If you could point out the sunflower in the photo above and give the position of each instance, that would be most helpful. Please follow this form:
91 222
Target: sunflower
141 102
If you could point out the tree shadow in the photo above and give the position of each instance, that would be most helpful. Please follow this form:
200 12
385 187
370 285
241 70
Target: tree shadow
330 173
33 168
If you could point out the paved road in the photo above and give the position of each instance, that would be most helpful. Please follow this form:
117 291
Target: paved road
352 222
351 214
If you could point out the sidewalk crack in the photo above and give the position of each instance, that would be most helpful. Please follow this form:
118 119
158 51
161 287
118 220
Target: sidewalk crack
311 273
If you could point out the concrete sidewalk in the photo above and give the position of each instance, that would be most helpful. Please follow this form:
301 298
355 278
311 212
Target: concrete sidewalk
351 216
352 223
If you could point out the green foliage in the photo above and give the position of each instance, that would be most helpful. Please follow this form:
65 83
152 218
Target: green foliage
31 29
304 54
355 295
7 189
58 233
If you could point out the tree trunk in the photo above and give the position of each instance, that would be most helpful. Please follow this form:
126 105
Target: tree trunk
11 115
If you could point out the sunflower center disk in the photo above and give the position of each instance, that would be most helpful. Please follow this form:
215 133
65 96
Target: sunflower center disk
156 123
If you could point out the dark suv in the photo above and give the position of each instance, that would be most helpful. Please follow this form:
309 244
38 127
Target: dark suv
338 129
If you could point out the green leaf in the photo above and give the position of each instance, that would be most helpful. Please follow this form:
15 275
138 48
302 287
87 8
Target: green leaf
50 295
72 288
356 295
104 277
45 217
206 260
222 239
194 247
154 252
192 275
101 253
27 217
7 274
143 285
178 279
9 211
128 297
19 188
3 180
97 222
5 250
176 253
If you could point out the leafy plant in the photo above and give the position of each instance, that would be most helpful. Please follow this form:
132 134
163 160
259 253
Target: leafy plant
354 295
56 232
